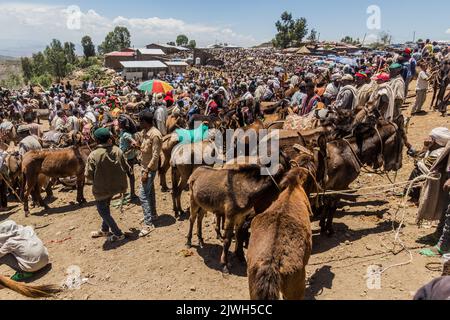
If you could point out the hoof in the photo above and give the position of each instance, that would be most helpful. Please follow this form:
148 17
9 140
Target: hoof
27 214
189 245
201 244
225 270
165 190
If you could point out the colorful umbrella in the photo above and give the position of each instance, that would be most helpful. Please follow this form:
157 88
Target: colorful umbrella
155 86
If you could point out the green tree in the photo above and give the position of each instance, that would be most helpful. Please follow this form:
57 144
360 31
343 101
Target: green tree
69 51
171 43
57 59
182 40
284 27
116 40
385 38
299 31
313 35
40 65
290 31
27 68
192 44
88 47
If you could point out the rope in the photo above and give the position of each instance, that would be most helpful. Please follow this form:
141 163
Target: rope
402 206
11 188
351 192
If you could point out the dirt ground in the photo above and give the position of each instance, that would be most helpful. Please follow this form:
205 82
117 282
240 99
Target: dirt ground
159 267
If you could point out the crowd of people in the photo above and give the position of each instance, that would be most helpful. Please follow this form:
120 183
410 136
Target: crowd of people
128 125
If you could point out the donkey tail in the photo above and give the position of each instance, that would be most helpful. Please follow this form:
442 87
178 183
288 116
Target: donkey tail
265 282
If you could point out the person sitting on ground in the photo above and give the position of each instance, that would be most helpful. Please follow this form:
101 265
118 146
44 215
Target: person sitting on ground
438 289
434 146
21 250
107 169
435 204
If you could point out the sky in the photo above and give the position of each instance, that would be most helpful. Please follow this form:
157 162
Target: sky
28 26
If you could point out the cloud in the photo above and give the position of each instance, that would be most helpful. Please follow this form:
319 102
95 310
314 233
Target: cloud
448 31
32 26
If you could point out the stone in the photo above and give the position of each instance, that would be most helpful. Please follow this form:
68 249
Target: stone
193 289
347 243
72 228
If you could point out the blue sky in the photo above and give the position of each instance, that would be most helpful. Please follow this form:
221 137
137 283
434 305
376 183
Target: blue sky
234 21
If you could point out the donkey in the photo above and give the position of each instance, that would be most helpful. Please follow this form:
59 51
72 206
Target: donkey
281 243
60 163
379 145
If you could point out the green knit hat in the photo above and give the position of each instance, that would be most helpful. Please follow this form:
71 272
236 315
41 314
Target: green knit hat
102 135
395 66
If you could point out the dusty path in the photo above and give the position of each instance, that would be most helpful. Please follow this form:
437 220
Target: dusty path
157 267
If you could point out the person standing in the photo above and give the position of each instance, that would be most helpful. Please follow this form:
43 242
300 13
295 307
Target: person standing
150 149
107 169
421 89
127 146
160 117
398 87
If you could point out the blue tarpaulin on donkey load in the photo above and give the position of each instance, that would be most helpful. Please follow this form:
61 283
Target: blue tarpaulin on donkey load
192 136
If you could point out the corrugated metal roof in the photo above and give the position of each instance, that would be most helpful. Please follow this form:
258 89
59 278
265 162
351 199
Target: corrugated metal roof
176 63
120 54
143 64
153 52
170 46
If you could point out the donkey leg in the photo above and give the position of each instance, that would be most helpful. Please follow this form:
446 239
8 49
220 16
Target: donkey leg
199 228
184 183
162 171
38 197
218 226
193 216
329 225
226 245
239 252
175 192
162 180
80 189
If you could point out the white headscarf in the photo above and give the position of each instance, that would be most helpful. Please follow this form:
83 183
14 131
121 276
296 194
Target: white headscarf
441 136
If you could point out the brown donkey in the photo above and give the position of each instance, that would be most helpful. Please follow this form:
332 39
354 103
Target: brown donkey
281 242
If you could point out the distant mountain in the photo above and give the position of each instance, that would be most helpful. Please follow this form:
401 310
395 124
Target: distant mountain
265 45
7 58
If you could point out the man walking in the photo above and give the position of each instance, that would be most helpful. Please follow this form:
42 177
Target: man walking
150 148
421 89
107 169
